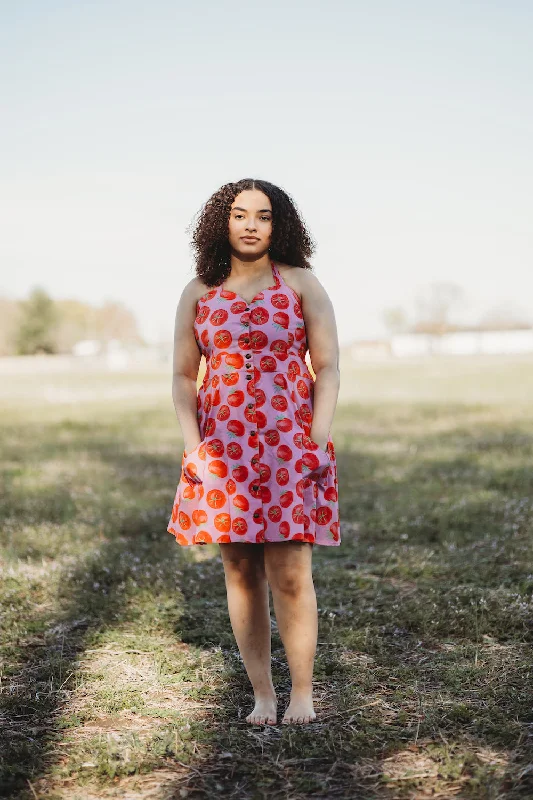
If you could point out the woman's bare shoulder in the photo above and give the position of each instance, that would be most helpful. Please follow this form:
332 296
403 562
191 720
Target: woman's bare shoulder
194 290
298 278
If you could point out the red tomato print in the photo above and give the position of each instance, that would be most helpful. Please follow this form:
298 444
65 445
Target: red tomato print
284 424
218 317
279 348
258 340
282 476
235 427
272 438
222 339
261 419
256 476
268 364
279 402
280 301
286 498
240 472
215 448
299 333
217 467
222 522
223 413
241 501
281 320
303 389
234 450
230 378
239 526
259 316
284 452
236 398
234 360
202 315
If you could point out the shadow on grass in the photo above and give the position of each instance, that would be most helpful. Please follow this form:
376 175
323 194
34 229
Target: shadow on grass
422 675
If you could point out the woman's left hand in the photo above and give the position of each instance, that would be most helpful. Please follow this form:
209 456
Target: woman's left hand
321 442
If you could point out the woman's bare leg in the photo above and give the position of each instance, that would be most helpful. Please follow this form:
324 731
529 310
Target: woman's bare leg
249 611
288 567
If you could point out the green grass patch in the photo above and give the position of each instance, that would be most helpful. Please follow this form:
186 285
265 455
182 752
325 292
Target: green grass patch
120 673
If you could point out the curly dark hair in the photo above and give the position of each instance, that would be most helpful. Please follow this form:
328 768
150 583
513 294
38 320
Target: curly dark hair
291 242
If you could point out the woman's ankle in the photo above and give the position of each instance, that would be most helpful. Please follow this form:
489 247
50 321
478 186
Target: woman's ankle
265 691
300 692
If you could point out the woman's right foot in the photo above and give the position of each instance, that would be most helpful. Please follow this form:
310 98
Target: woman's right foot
264 711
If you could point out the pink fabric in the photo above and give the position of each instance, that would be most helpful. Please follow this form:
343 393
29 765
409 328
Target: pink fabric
256 476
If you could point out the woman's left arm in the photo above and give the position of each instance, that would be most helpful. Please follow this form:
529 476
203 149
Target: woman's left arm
323 343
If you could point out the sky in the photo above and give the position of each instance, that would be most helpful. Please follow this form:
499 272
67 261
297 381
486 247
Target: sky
402 131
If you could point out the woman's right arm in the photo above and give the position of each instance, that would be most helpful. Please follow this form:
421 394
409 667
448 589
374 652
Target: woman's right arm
186 361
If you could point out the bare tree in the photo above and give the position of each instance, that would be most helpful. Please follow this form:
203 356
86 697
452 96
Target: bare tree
395 320
505 317
435 306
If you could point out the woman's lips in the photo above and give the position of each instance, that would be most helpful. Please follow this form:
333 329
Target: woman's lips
249 239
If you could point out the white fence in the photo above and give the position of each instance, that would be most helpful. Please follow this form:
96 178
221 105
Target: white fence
463 343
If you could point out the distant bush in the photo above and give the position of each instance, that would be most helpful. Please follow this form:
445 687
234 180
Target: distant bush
40 324
37 324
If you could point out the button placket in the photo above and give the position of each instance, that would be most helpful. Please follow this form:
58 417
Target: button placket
257 515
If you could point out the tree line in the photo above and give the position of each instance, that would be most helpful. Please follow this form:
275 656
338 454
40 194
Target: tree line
40 324
437 311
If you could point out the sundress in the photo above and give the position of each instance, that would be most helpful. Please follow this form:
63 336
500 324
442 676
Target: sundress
256 475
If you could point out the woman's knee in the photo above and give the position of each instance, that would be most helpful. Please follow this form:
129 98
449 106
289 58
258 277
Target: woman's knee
291 582
289 570
246 568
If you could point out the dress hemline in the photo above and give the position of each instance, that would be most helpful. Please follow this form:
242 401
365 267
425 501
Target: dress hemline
247 541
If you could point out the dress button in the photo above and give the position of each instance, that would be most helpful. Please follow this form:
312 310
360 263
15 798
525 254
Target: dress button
250 405
249 377
245 324
253 433
248 355
248 365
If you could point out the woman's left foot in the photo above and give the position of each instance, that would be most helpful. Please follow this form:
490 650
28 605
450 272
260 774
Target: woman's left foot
299 710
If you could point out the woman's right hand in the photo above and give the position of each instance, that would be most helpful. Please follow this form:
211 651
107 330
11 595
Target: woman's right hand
194 463
192 447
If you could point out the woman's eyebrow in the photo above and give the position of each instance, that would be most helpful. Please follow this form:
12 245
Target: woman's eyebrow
261 210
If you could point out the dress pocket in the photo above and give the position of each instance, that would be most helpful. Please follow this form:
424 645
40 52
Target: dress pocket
317 460
324 453
193 464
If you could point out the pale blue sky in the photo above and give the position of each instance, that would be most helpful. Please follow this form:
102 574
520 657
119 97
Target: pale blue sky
402 130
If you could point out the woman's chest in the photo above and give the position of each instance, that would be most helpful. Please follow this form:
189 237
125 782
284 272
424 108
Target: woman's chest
272 322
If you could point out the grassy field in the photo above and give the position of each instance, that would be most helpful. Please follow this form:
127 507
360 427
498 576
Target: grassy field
120 676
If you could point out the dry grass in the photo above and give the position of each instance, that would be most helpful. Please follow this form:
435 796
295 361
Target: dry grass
120 676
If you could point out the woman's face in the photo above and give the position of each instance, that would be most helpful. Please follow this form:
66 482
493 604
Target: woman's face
250 215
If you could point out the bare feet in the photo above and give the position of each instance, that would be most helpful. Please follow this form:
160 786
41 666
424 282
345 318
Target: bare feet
264 712
300 709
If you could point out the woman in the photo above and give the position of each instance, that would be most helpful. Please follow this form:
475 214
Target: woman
259 474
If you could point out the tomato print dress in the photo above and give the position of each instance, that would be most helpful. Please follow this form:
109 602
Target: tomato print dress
256 476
